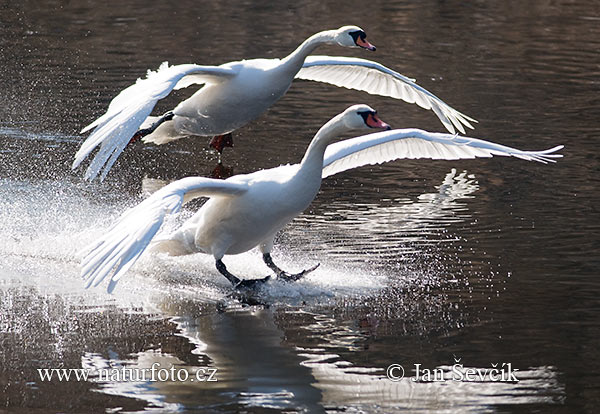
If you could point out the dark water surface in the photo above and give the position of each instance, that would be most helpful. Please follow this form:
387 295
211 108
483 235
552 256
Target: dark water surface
423 263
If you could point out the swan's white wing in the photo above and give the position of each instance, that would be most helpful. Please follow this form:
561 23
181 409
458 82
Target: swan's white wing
128 110
374 78
391 145
119 248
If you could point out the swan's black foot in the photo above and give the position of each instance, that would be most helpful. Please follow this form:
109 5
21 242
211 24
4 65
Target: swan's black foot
240 284
220 142
296 276
283 275
251 283
147 131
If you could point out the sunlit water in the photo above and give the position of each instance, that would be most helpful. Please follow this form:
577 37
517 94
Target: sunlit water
421 263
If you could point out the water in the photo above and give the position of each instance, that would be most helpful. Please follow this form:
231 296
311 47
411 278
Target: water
422 263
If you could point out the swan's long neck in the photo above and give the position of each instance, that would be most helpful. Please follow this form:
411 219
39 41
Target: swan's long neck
313 158
295 60
307 179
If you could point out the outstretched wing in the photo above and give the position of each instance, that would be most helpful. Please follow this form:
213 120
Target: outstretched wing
374 78
391 145
129 236
128 110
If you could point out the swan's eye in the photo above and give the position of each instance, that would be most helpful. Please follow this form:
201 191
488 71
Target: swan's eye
358 35
372 120
368 117
360 40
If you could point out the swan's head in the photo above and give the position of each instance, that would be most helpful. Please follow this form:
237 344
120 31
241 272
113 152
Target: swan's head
363 117
352 36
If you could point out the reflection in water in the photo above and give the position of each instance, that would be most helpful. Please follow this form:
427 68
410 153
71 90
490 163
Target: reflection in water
125 378
344 383
256 367
42 327
221 172
355 386
242 349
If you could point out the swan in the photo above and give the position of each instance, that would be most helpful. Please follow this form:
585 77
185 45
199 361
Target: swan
246 211
236 93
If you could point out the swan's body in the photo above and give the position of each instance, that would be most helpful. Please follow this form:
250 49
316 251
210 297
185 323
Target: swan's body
243 224
236 93
246 211
256 85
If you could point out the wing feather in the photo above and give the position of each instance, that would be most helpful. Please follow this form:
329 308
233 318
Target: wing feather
374 78
123 243
387 146
128 110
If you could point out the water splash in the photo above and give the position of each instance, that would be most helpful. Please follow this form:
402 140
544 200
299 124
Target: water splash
46 223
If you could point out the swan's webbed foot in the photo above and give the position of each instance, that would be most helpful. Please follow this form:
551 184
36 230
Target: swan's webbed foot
240 284
251 283
219 142
167 116
281 274
292 277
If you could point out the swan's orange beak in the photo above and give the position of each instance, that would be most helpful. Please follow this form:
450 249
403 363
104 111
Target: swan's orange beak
374 121
362 42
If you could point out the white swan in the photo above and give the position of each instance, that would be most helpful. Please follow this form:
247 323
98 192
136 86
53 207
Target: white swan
235 93
246 211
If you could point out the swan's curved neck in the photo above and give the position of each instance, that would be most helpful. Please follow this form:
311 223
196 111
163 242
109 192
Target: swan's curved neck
297 57
313 158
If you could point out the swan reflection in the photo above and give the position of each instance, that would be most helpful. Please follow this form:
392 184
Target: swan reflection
262 364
